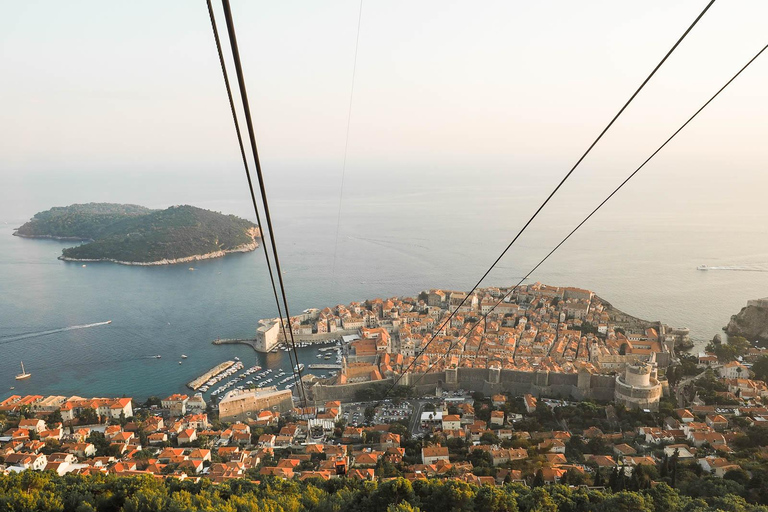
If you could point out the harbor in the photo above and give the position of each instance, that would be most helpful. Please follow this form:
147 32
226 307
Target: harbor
219 368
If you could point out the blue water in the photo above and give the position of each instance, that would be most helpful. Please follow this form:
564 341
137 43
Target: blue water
401 232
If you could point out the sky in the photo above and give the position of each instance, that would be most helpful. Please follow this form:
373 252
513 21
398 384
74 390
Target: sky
497 90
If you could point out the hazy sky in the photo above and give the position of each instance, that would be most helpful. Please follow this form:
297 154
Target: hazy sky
503 89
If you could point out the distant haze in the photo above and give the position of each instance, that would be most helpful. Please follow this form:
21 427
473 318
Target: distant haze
464 116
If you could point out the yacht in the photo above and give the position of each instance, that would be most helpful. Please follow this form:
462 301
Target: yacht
24 374
183 356
702 267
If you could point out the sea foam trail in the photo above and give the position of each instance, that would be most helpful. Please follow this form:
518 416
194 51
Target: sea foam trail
740 268
27 335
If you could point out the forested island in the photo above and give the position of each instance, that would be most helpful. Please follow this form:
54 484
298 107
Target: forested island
134 235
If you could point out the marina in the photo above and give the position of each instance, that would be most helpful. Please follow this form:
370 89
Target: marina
198 382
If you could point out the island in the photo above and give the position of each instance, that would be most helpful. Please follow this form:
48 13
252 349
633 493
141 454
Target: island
134 235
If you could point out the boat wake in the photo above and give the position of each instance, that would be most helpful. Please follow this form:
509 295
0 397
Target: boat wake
741 268
9 338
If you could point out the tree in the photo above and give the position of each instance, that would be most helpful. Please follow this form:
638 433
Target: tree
54 417
761 368
399 429
153 400
490 438
88 416
370 412
480 459
627 502
598 480
538 479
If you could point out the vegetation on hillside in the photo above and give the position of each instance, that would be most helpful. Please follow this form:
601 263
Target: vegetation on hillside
79 221
136 234
49 492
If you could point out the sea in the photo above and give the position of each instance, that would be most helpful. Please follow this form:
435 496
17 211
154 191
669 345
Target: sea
392 230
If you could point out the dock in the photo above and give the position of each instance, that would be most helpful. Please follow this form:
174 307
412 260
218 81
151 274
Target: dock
210 373
325 366
232 341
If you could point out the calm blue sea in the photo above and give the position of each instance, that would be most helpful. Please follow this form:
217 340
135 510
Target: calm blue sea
401 231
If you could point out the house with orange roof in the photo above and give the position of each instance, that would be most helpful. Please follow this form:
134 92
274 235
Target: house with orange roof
22 461
530 403
323 475
176 404
361 474
34 424
714 439
451 422
716 421
153 424
388 440
367 458
283 472
56 433
267 440
552 446
498 400
497 418
624 450
169 454
193 465
432 454
229 452
197 421
157 438
80 450
186 436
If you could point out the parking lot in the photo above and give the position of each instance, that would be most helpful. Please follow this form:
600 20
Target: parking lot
386 412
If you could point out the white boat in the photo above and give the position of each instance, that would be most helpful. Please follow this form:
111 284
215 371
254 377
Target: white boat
158 356
24 374
702 267
183 356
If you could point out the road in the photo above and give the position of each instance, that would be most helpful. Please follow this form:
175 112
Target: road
681 385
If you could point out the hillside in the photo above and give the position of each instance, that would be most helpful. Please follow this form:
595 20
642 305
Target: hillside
131 234
78 221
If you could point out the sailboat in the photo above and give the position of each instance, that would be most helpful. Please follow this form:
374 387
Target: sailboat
23 375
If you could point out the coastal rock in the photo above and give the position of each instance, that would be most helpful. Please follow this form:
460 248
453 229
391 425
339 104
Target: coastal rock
751 323
717 339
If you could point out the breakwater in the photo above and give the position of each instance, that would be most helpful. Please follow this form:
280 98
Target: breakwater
210 373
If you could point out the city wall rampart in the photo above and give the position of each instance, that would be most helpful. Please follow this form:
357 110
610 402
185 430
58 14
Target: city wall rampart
489 381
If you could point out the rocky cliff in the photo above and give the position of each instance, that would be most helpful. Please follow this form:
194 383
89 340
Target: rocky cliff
751 322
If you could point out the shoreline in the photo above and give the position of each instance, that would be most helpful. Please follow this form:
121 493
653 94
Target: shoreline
52 237
253 232
197 257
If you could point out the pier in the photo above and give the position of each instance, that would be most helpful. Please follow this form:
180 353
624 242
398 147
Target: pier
325 366
210 373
